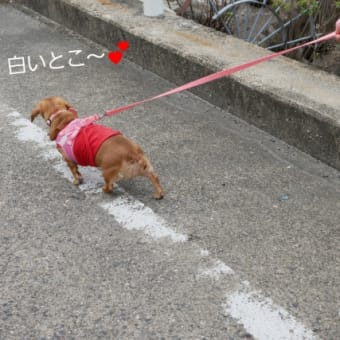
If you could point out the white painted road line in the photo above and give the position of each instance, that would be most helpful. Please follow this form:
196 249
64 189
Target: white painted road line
132 214
217 270
258 315
262 319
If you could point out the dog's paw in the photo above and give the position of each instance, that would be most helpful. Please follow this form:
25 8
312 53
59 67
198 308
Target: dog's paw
78 181
158 195
107 189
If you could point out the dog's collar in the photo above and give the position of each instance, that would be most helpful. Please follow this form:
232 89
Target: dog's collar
55 114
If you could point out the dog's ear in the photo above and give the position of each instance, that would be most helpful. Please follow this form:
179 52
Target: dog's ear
35 112
53 133
59 102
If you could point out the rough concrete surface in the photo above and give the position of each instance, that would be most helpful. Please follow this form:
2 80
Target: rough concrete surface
292 101
69 270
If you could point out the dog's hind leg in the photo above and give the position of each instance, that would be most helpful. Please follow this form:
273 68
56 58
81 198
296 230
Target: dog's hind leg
109 176
159 193
147 170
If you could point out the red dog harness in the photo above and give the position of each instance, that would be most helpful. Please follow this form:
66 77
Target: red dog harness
81 140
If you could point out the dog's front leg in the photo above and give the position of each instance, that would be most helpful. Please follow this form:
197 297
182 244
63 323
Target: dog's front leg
78 179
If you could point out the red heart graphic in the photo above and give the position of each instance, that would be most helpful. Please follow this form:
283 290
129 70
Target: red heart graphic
115 56
123 45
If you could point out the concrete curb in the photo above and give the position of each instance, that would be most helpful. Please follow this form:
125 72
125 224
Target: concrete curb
291 101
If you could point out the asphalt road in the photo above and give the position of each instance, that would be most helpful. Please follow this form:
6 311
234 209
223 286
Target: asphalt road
245 243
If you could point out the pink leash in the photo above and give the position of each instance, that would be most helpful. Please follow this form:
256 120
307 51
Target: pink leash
217 75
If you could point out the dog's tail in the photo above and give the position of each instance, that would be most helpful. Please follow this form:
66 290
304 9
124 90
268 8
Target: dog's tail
143 163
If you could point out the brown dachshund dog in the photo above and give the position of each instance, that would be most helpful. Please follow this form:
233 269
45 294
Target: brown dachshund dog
117 156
